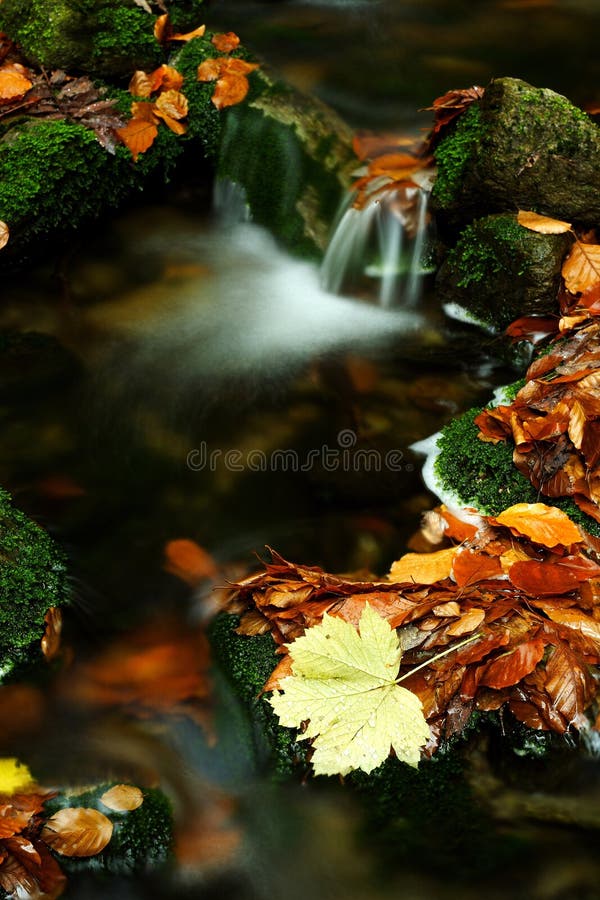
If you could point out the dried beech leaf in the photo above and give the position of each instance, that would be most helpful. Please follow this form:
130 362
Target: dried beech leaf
423 568
511 667
4 234
211 69
542 224
225 43
538 579
123 798
140 84
172 104
546 525
52 633
13 83
230 89
138 135
189 35
77 831
189 561
581 269
467 622
144 4
166 78
162 28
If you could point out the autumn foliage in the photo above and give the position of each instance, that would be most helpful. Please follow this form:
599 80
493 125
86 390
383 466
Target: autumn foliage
521 586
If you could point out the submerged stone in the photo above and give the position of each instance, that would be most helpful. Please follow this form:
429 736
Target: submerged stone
499 271
519 147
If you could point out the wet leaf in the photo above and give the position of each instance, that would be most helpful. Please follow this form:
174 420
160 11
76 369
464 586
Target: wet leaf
581 269
225 43
230 89
77 831
469 567
542 224
423 568
30 871
539 579
510 668
569 685
343 682
122 798
543 524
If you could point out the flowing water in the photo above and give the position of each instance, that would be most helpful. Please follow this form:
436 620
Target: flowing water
196 355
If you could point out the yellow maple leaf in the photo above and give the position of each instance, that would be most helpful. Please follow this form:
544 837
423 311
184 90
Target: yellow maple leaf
344 683
14 776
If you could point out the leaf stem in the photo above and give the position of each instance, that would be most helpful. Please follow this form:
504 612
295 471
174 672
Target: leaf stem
436 657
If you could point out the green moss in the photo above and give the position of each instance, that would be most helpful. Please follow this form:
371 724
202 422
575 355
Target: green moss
247 662
205 120
454 154
142 839
106 37
32 579
483 475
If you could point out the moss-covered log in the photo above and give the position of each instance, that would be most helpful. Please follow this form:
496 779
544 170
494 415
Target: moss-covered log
33 578
499 271
290 153
519 147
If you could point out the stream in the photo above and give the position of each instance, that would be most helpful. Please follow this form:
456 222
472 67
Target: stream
198 382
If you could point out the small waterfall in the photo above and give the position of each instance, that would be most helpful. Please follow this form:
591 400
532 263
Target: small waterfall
386 240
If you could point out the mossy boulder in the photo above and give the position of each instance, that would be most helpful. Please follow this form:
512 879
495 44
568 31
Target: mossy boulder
101 37
519 147
33 578
498 271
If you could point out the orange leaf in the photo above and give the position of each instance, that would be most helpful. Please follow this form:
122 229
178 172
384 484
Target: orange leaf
189 35
569 685
52 633
4 234
230 89
234 66
13 83
167 78
542 524
122 798
457 529
76 831
172 104
211 69
576 620
140 84
138 135
162 29
423 568
512 667
467 622
225 43
538 579
144 111
581 269
189 561
173 124
470 567
542 224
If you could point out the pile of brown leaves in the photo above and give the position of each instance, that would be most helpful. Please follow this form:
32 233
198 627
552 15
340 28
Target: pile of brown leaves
521 586
27 867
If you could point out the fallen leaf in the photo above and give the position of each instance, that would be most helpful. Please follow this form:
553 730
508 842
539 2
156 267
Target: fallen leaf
138 135
122 798
539 579
581 269
189 35
344 684
423 568
14 84
144 4
77 831
140 84
230 89
225 43
172 104
4 234
542 224
467 622
546 525
166 78
189 561
469 567
511 667
52 633
162 28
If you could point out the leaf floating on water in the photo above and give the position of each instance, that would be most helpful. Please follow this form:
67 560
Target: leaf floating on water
77 831
344 684
542 224
123 798
581 269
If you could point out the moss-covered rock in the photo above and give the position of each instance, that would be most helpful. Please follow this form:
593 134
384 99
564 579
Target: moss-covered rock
480 474
102 37
33 578
519 147
499 271
142 838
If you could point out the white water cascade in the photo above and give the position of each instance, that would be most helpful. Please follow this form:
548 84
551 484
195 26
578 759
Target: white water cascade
383 240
